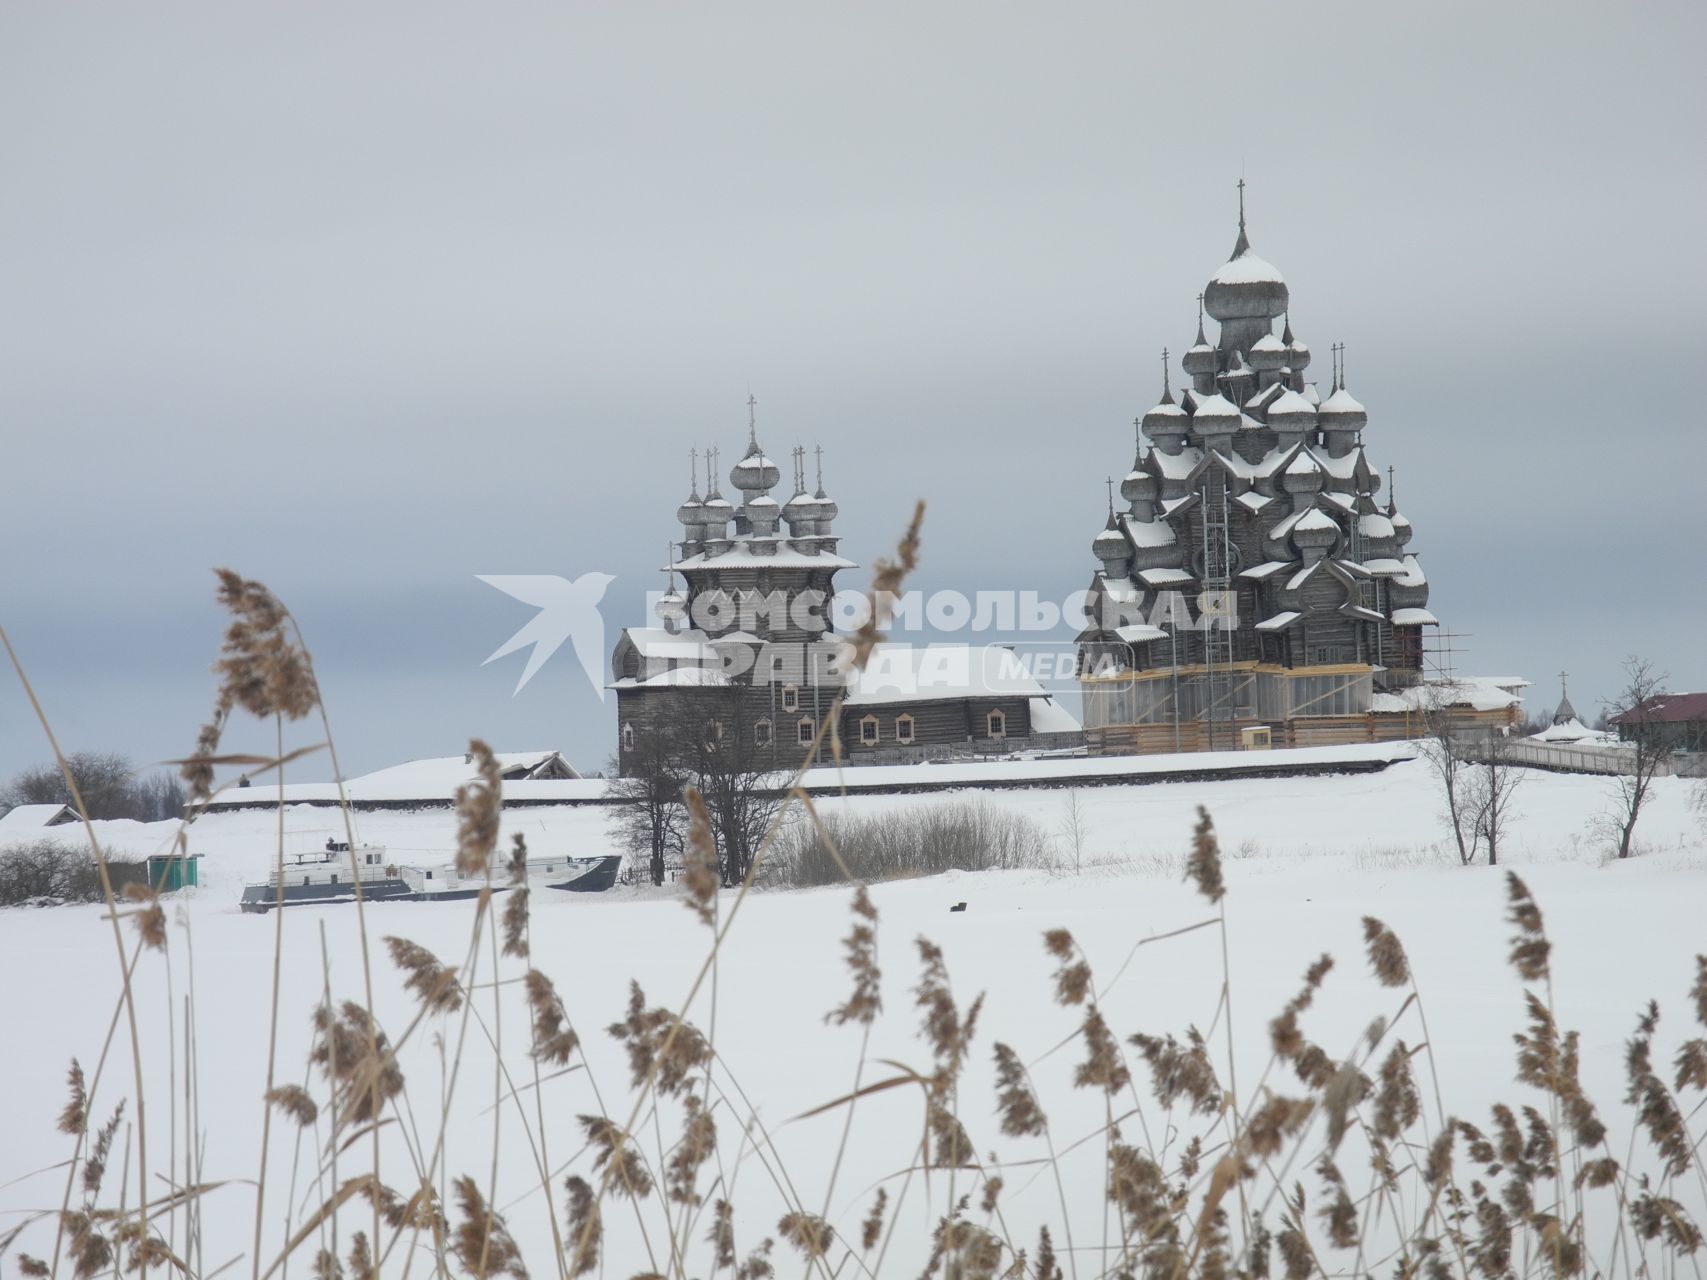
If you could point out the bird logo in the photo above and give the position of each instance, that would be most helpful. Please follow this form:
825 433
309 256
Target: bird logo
567 611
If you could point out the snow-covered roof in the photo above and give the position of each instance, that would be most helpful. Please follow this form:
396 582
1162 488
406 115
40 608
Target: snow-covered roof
35 817
1139 633
1265 570
1477 693
1280 621
1375 525
1165 577
1148 533
1177 466
1268 342
1571 730
679 678
1049 717
1414 618
1413 575
925 673
741 556
1252 501
658 642
1384 567
1316 518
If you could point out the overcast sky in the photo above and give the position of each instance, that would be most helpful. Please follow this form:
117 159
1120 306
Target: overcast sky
367 300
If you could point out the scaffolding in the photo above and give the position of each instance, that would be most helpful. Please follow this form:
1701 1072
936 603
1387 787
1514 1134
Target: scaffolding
1217 588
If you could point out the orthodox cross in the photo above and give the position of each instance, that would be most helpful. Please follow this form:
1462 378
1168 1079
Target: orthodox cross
1562 694
693 468
1111 495
818 449
1241 204
752 419
1166 390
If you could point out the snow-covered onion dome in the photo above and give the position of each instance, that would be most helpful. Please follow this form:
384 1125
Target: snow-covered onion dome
716 513
762 514
1340 412
801 514
1199 360
1166 424
1139 486
1297 354
1302 475
1110 546
1375 526
1216 418
692 515
1401 527
671 608
755 473
1245 287
1268 353
825 508
1315 534
1291 414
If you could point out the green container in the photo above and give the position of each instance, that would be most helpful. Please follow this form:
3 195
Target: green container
168 873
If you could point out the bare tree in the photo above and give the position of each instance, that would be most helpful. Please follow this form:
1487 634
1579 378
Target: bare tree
1450 759
649 819
108 783
1073 825
705 740
715 748
1632 711
1493 783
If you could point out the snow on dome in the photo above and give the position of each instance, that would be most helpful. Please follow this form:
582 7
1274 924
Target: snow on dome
1217 408
1375 525
1311 395
1304 464
1247 268
1342 411
1315 519
1110 544
1290 411
1268 342
754 472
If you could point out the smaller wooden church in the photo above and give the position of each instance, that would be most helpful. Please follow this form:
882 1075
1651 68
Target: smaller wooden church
745 654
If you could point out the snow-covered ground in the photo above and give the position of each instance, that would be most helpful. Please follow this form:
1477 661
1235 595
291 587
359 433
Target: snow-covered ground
1306 858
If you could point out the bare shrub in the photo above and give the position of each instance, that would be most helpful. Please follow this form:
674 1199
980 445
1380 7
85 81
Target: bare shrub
48 869
963 835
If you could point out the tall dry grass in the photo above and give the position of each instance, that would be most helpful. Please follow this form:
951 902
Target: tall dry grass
1331 1160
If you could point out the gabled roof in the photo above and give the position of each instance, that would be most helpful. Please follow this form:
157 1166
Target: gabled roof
1666 708
937 672
35 817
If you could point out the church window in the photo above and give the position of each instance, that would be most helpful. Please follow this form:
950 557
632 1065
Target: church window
628 737
903 728
790 697
762 733
868 732
807 730
997 724
713 733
